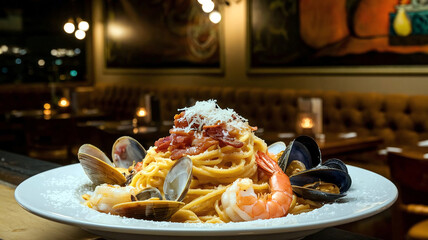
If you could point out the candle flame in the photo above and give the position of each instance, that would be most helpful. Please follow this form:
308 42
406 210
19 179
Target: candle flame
63 102
141 112
47 106
307 122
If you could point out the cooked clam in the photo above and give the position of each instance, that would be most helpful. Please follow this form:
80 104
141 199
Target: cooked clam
178 179
100 169
149 193
149 207
158 210
126 151
277 148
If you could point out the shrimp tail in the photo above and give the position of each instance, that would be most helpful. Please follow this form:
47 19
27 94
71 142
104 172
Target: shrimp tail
267 164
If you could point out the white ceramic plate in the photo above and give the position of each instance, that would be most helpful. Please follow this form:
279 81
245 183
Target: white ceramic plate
56 195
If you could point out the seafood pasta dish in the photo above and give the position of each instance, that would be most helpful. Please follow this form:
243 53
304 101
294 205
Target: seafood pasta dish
211 168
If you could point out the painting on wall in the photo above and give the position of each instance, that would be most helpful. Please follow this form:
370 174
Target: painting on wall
160 36
338 36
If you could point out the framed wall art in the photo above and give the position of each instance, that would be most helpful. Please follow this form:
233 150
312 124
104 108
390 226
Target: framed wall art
337 37
156 36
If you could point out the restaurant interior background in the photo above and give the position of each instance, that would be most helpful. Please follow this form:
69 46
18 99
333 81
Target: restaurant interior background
350 53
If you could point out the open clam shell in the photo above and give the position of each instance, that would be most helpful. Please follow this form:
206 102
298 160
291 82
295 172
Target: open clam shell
276 148
126 151
149 193
176 185
303 149
329 175
178 179
158 210
98 167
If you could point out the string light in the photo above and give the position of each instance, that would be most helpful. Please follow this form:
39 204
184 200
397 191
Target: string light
80 34
215 17
82 26
69 26
208 6
202 2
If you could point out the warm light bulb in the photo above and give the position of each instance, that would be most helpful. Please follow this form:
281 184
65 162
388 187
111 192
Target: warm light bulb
208 6
80 34
69 27
63 102
202 2
83 25
215 17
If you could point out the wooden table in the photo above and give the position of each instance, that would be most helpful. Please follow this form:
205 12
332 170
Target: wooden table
17 223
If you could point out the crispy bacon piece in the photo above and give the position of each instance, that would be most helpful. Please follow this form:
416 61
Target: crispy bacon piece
181 122
163 143
182 143
139 166
199 145
219 133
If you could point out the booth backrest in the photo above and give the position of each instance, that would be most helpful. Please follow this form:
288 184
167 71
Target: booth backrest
398 119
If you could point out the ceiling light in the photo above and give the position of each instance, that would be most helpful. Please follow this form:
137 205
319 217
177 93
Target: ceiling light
83 25
208 6
69 26
80 34
215 17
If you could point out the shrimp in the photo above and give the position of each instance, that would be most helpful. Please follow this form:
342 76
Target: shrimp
241 203
106 196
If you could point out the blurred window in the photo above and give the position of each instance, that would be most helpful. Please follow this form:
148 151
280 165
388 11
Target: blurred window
34 48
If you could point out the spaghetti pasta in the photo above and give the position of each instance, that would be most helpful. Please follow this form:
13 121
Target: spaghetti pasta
223 148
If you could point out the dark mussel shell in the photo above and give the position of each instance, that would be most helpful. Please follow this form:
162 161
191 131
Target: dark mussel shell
329 175
304 149
335 163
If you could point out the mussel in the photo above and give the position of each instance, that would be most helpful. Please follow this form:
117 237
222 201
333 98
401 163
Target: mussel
335 163
150 205
100 169
322 184
303 153
310 177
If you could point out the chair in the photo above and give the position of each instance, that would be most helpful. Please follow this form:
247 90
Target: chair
409 171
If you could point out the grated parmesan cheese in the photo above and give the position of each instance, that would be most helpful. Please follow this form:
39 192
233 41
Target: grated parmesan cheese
209 113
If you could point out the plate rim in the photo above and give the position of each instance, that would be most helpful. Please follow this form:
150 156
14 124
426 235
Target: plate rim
197 231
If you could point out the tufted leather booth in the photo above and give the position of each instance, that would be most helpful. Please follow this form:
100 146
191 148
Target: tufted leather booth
399 119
